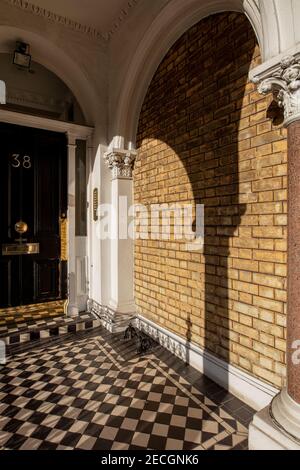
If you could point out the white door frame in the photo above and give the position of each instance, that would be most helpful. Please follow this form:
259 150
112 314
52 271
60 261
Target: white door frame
77 246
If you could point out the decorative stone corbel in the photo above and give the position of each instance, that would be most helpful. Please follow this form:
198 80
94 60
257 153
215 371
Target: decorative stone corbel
121 162
284 82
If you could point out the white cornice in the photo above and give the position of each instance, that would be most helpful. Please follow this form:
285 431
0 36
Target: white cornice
37 122
74 25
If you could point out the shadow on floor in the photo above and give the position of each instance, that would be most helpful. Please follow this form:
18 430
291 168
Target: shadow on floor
93 391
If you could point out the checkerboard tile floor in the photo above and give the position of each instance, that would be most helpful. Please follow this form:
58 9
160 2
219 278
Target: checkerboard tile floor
95 393
35 329
16 316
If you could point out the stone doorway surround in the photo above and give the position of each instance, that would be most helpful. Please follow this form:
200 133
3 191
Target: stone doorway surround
77 247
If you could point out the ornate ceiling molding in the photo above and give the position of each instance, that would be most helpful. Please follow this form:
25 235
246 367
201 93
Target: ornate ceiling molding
74 25
49 15
120 19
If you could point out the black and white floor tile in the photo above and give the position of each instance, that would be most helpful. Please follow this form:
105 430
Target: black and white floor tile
36 329
31 313
94 392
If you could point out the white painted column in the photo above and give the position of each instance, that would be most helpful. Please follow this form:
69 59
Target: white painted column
90 221
73 309
121 308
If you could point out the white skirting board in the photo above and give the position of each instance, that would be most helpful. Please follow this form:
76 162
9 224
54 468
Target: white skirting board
252 391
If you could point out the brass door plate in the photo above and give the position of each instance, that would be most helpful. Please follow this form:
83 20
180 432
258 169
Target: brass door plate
18 249
95 204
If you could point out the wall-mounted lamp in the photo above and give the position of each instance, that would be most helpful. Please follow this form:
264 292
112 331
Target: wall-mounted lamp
22 57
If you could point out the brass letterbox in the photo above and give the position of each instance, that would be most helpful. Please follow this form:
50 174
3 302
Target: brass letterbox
18 249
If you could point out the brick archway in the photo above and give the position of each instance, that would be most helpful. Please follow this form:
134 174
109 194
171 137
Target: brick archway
174 20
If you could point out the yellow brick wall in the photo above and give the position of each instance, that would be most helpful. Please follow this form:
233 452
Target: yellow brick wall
206 136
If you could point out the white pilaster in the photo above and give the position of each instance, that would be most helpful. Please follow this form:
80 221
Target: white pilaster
73 309
121 308
89 177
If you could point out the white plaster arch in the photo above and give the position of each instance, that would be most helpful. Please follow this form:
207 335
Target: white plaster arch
281 26
46 53
173 21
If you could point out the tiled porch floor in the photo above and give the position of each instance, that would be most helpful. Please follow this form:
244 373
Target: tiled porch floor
93 391
30 313
35 329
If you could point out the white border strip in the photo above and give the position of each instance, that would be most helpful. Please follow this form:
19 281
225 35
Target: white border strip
252 391
37 122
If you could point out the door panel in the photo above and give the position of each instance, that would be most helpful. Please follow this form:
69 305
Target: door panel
33 189
46 275
8 288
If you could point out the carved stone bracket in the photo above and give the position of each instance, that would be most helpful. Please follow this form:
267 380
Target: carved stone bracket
121 162
284 82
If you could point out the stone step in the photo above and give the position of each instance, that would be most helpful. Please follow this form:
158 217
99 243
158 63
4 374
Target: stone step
43 329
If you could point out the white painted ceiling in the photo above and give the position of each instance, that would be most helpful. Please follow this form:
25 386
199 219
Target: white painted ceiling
100 14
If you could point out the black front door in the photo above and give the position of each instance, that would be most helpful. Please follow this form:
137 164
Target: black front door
33 179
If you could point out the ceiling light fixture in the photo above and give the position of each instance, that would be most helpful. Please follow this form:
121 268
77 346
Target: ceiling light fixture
22 57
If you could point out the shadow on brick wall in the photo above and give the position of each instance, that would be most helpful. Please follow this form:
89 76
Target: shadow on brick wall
198 105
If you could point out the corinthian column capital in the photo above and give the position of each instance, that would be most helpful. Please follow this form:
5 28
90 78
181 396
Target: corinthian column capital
120 162
283 80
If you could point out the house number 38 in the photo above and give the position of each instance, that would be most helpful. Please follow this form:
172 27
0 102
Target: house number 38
19 161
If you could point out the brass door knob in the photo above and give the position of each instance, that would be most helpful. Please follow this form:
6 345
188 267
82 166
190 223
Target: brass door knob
21 227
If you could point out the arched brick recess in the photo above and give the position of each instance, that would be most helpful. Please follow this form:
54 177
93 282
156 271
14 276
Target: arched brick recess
205 136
